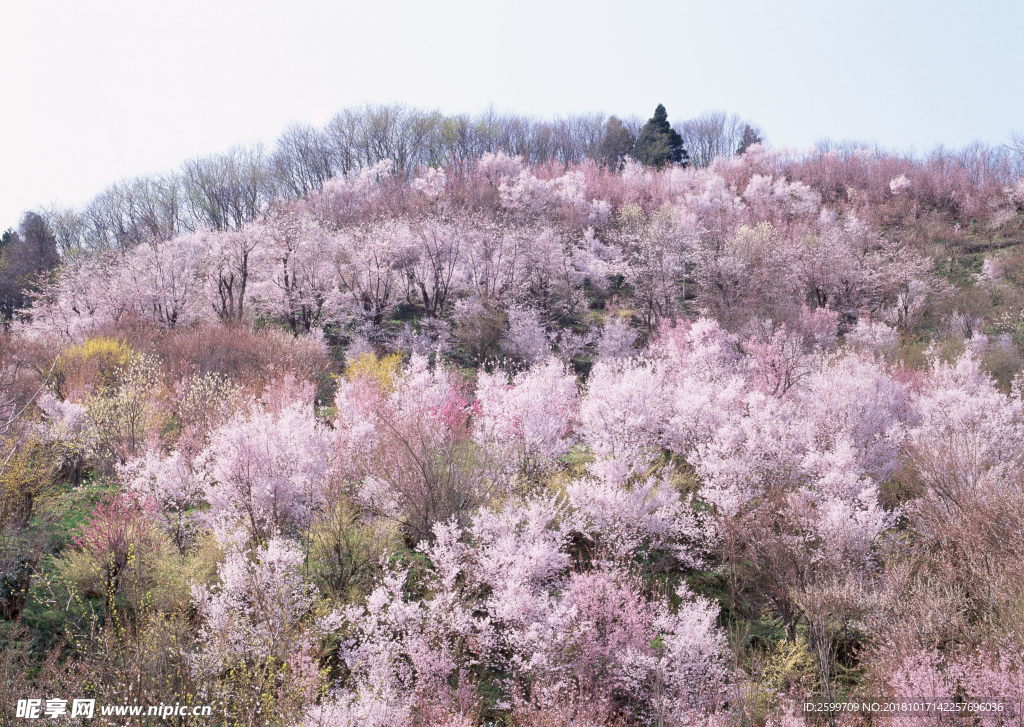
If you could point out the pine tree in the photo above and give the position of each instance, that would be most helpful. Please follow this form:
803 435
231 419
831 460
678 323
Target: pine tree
658 143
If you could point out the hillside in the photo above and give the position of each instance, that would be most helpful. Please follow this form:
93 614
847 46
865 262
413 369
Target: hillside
571 442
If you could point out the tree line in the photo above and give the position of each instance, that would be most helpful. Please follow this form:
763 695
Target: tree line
226 190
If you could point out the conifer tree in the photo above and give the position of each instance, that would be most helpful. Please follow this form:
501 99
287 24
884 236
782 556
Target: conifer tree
749 138
616 144
658 143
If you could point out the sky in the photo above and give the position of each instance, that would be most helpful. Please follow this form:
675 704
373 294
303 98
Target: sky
98 91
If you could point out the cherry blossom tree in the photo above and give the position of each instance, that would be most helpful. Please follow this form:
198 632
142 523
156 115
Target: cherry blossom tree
551 637
261 613
266 472
232 259
617 339
526 424
404 439
164 279
526 338
368 263
623 411
172 485
297 282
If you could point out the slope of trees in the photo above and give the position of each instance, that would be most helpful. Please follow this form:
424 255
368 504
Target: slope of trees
577 442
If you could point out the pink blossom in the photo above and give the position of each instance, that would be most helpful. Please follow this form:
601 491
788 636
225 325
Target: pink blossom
899 185
526 338
431 183
267 471
525 425
623 411
260 609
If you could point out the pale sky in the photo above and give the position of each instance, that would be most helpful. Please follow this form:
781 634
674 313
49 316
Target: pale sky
98 90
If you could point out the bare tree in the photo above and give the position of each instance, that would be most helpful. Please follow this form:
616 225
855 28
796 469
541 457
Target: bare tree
227 190
714 134
1016 149
302 160
70 230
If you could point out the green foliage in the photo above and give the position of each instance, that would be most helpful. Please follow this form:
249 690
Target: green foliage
125 412
786 668
617 143
658 144
346 549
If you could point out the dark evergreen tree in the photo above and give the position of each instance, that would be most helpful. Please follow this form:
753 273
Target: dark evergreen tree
616 143
749 138
24 256
658 143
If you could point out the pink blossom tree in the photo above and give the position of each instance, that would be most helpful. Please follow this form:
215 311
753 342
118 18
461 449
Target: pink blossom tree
526 338
259 614
504 603
266 472
623 411
296 281
172 485
405 442
525 425
231 270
